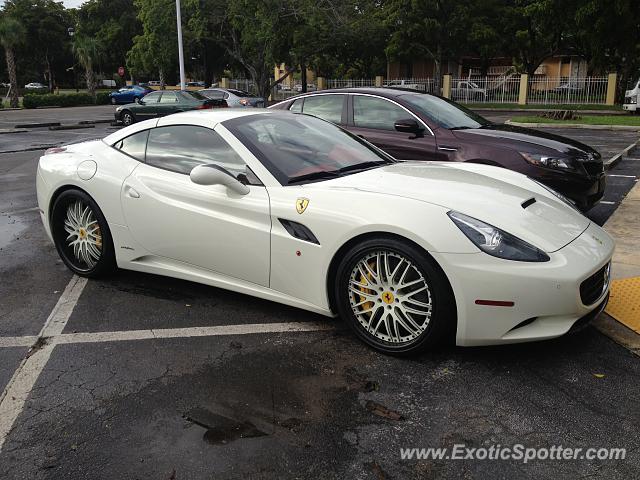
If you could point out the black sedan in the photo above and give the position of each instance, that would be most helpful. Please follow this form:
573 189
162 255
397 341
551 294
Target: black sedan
164 102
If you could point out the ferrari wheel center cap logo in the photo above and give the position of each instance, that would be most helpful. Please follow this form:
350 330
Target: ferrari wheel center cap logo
302 204
82 233
388 298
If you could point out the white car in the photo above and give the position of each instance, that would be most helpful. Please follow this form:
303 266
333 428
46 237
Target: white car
34 86
294 209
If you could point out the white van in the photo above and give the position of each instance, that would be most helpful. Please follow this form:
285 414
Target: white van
631 98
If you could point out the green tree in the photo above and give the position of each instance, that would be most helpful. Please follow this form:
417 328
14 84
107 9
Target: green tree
86 51
47 54
156 49
431 29
12 34
114 24
257 34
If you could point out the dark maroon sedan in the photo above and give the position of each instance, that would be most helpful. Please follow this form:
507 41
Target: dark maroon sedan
418 126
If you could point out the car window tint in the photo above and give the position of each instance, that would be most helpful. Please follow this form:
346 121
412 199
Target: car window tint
378 113
168 97
134 145
327 107
296 106
152 97
180 148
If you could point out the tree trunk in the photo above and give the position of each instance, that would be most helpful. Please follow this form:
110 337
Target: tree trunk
11 68
161 74
91 82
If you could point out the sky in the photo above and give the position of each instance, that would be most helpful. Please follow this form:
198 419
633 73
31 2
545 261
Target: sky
67 3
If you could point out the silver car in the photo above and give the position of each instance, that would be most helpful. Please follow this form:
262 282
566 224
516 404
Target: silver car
234 98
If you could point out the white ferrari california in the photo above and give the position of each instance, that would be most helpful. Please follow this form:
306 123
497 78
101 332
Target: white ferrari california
293 209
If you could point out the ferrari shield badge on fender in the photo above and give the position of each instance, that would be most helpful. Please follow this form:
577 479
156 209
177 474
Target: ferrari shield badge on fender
302 204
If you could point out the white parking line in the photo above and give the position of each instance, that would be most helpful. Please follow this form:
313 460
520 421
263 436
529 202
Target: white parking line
13 398
247 329
621 176
605 202
15 394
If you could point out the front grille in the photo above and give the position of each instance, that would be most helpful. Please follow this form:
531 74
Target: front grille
593 169
594 286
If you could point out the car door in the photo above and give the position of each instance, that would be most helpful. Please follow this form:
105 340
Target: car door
148 106
205 226
373 118
168 103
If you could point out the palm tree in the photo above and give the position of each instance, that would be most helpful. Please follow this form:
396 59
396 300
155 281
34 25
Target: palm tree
12 33
86 51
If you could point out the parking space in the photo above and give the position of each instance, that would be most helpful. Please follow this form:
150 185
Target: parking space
149 377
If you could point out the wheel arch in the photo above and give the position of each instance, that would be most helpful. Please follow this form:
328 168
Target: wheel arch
339 254
59 191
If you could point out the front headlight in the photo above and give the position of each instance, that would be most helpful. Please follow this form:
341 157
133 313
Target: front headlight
496 242
539 160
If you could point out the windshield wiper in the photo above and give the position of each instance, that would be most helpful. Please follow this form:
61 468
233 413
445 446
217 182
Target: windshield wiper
460 128
364 166
322 175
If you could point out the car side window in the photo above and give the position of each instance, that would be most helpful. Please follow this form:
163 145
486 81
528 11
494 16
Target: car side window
180 148
377 113
152 97
327 107
296 106
134 145
168 97
215 94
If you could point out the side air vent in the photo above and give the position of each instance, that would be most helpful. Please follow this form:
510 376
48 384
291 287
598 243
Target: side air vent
299 231
528 203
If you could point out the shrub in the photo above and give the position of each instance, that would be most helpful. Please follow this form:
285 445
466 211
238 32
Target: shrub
64 100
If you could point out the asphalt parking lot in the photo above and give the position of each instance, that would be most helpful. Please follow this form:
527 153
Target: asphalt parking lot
146 377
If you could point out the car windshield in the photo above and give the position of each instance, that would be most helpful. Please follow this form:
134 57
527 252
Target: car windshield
194 95
299 148
238 93
444 112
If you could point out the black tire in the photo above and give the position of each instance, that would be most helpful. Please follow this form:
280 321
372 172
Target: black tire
106 263
127 117
113 100
442 320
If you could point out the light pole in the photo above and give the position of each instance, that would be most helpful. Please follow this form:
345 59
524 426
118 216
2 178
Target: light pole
183 83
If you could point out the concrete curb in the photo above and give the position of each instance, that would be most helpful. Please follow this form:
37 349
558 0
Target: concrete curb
12 130
631 128
540 110
38 125
618 332
617 158
71 127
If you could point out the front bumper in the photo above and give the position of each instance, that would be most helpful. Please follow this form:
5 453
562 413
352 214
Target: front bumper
546 295
585 191
630 107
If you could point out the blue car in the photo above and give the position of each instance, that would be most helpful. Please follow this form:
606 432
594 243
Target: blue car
128 94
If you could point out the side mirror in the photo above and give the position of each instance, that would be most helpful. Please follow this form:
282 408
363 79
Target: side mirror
216 175
409 125
139 101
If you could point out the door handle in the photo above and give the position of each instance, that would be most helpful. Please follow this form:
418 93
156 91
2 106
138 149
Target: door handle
131 192
447 148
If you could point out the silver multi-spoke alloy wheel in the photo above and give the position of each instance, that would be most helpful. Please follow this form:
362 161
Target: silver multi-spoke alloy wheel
127 119
390 297
84 235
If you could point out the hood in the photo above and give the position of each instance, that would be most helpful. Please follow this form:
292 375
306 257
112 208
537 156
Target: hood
491 194
526 140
